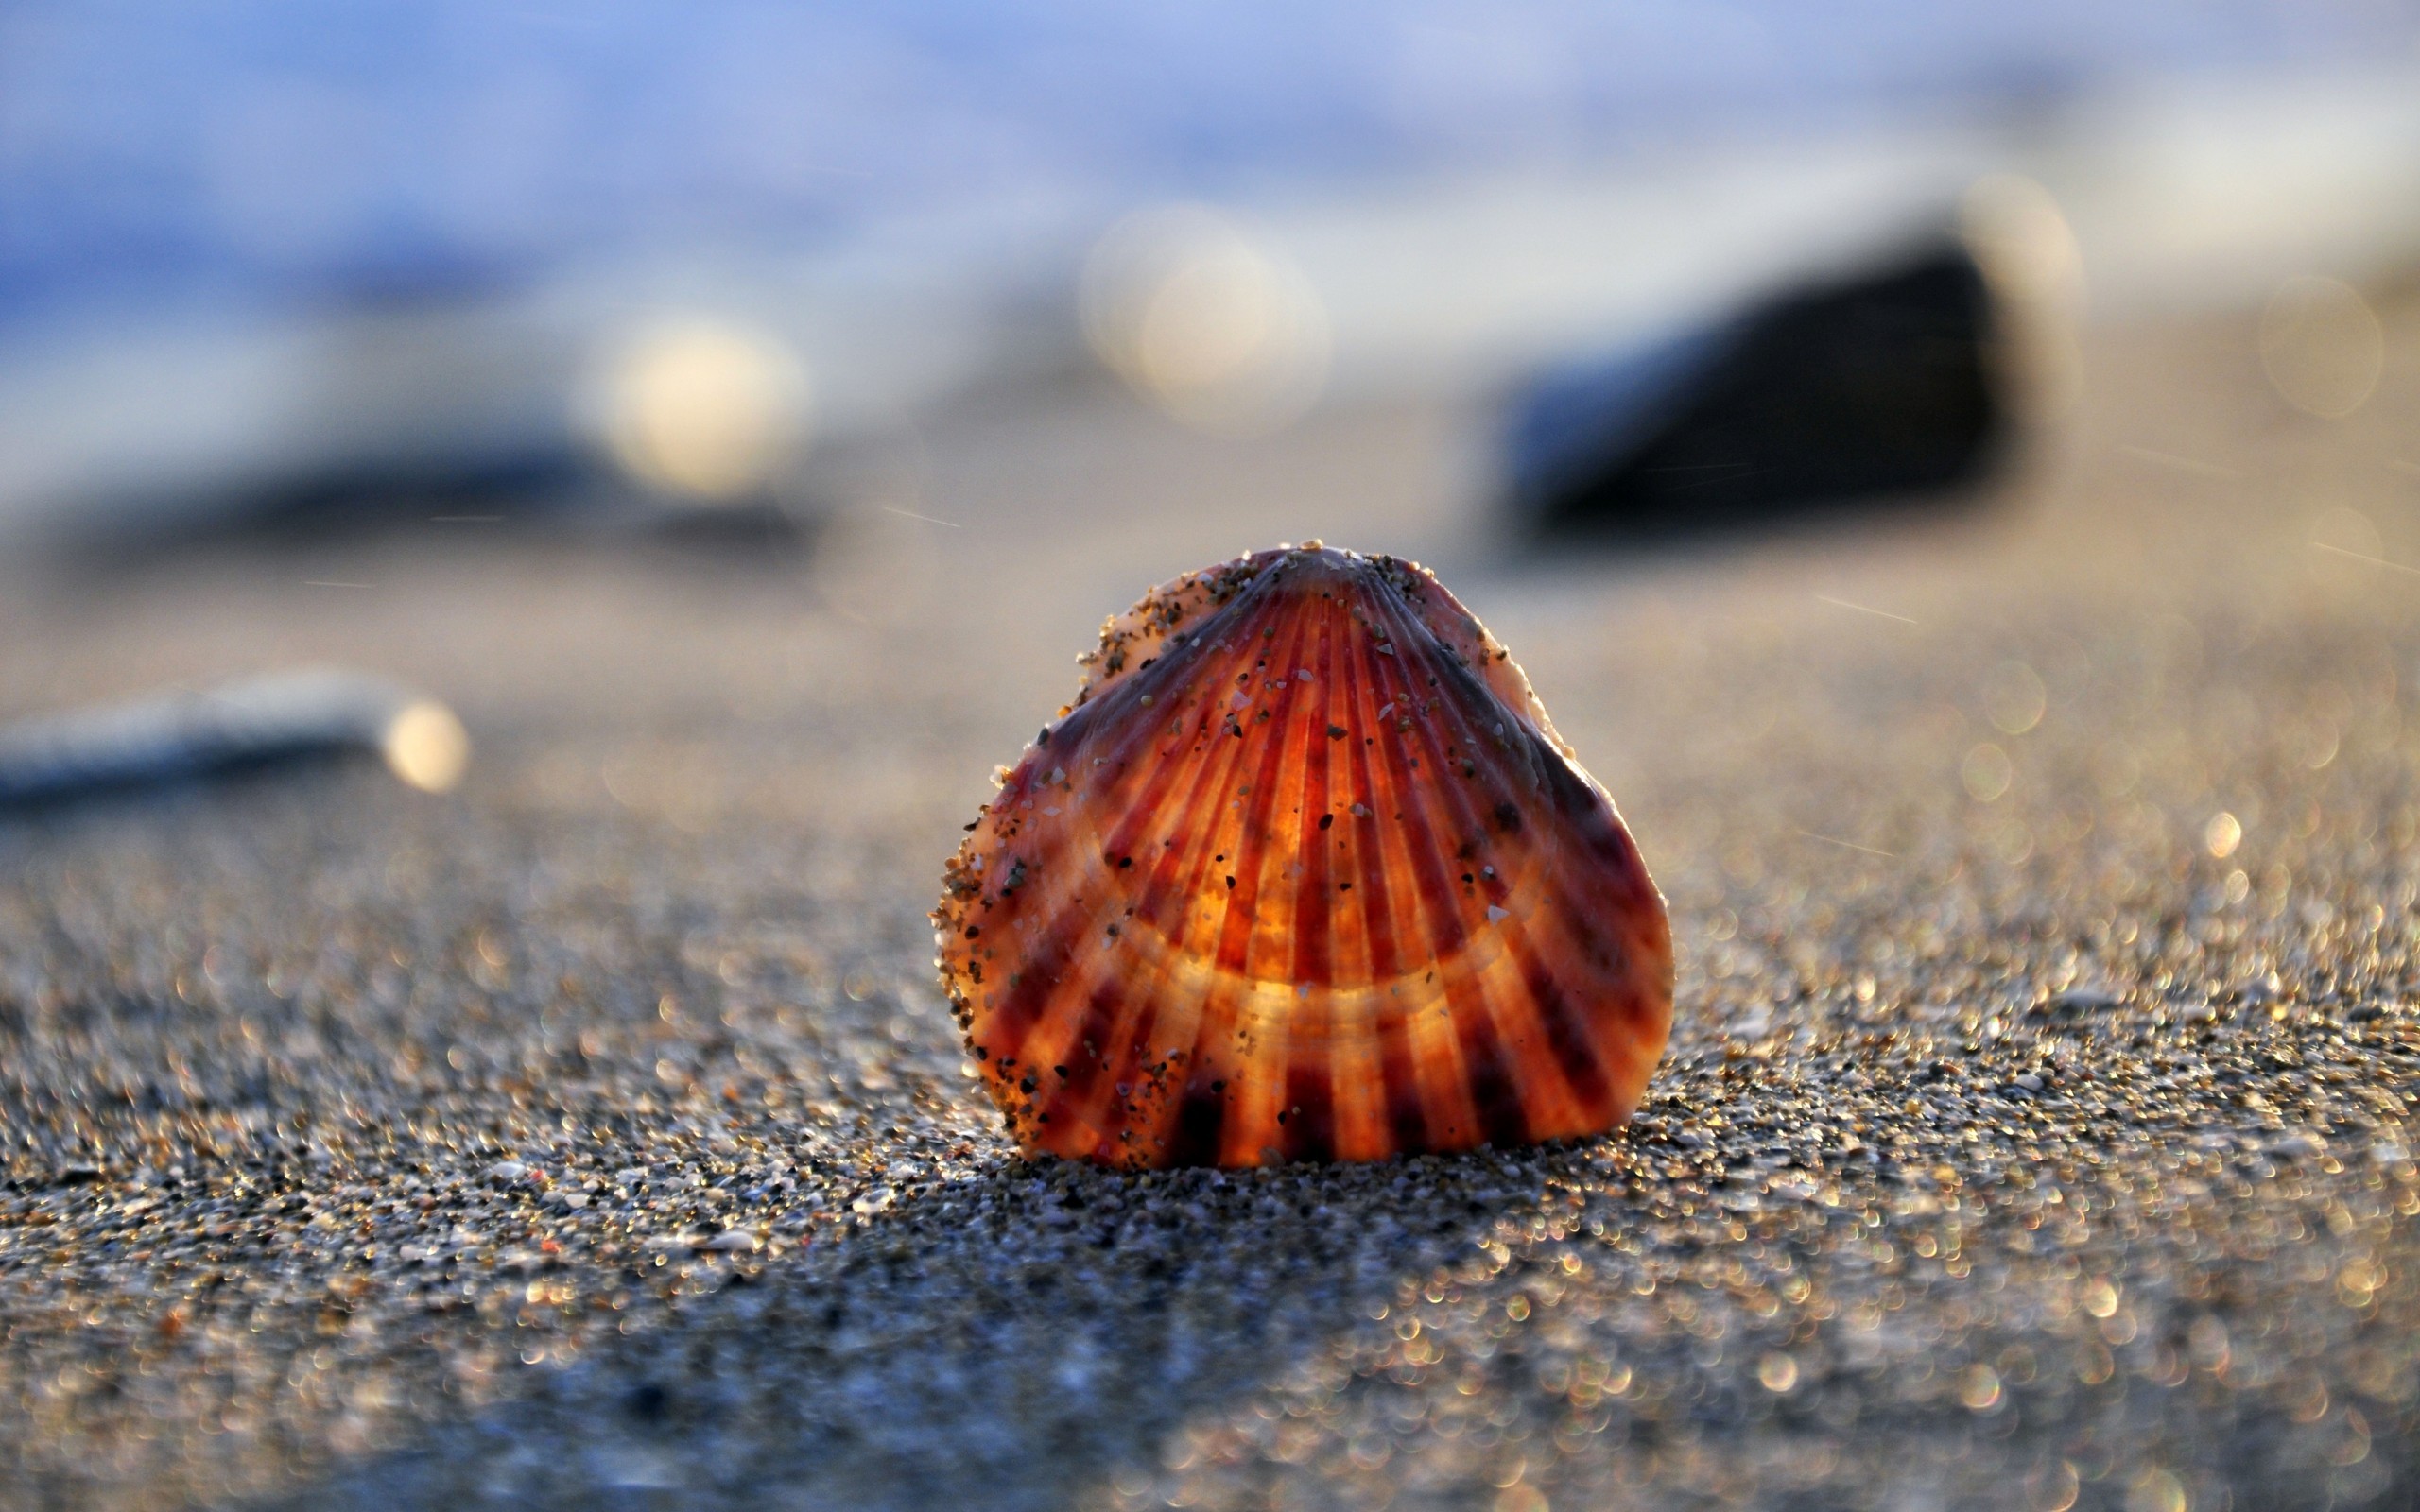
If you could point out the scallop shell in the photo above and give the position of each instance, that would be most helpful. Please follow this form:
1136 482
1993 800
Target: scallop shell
1303 873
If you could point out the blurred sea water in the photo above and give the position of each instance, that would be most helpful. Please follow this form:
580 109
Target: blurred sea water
262 248
271 154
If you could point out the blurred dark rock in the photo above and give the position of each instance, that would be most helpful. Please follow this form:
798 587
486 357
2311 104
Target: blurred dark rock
1818 397
185 736
559 499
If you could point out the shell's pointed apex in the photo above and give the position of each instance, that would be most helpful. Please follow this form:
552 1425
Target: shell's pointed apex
1302 873
1314 564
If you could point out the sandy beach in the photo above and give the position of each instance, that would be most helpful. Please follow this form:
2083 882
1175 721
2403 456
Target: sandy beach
2036 1133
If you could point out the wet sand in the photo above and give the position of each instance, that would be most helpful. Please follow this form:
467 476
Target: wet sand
2036 1132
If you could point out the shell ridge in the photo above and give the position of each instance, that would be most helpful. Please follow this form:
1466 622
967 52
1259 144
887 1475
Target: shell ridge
1622 898
1274 812
1548 1091
1575 1061
1017 1009
1215 775
1478 692
1571 786
1400 771
1079 1046
1128 1042
1103 718
1447 1091
1161 1072
1312 930
1565 1027
1566 1031
1144 803
1143 806
1641 930
1515 1019
1073 917
1307 1094
1254 1100
1562 783
1053 1036
1489 1024
1310 1097
1208 1111
1376 904
1252 850
1081 1110
1153 678
1404 1108
1078 1065
1121 700
1487 1077
1177 942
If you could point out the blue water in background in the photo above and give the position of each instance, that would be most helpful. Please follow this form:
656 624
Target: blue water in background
271 154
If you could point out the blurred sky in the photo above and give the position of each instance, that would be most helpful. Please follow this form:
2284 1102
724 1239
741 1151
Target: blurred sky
277 155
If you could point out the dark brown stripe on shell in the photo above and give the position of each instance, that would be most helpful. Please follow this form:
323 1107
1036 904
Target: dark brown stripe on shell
1407 1115
1311 1107
1494 1093
1314 907
1406 1112
1565 1030
1567 1035
1494 1084
1215 776
1252 850
1087 1056
1207 1053
1439 911
1201 1125
1469 712
1211 776
1032 983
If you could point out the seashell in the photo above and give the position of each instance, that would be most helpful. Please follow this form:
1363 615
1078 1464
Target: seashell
1303 873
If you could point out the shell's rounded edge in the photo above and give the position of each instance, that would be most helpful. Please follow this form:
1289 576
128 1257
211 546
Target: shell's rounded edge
1463 636
1153 938
1131 641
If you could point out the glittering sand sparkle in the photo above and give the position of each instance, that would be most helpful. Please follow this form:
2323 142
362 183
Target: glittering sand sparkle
550 1144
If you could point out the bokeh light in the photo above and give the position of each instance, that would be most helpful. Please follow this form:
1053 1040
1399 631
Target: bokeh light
426 747
2322 346
701 409
1206 319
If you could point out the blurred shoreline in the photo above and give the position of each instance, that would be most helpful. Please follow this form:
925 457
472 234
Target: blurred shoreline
2180 196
